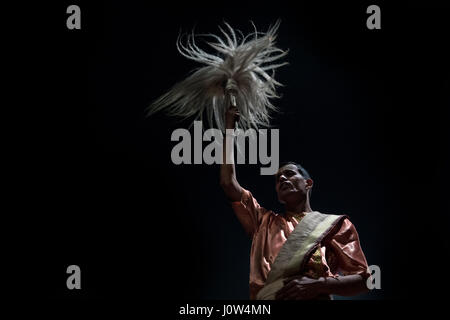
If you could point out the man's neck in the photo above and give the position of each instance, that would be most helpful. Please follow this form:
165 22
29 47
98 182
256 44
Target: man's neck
298 209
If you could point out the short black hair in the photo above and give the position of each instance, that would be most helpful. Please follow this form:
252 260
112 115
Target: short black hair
300 169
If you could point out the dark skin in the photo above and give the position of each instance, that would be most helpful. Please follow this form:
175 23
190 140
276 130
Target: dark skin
293 191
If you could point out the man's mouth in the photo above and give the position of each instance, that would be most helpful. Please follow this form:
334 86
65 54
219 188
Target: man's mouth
285 185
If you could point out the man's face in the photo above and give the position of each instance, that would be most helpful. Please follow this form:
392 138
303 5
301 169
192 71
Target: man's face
290 184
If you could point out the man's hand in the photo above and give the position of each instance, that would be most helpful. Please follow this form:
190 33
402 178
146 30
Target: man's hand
231 116
300 288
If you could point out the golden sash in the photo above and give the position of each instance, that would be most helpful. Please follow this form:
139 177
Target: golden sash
311 229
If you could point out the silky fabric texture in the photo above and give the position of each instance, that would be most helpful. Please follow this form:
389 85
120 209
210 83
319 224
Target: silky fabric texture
338 253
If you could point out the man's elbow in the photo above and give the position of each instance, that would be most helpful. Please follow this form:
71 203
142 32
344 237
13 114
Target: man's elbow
231 189
228 187
226 183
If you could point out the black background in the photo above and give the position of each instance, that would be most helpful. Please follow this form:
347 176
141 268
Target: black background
365 111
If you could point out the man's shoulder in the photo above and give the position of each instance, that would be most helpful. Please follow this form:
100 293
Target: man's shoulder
269 216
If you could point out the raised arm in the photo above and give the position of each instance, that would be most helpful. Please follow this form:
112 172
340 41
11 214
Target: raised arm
228 179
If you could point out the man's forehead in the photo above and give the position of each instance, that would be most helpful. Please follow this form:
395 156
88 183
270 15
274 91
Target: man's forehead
287 167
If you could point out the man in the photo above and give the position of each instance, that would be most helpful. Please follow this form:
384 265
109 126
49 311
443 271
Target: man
321 257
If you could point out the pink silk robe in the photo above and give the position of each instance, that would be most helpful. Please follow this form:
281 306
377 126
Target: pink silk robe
338 253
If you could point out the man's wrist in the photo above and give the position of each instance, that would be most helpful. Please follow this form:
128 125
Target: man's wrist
229 131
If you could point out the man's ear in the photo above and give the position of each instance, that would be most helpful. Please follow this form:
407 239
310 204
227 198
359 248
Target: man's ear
309 184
